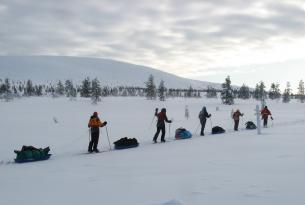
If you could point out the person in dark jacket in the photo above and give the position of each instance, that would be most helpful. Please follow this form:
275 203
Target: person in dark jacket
94 125
235 117
203 115
162 118
265 113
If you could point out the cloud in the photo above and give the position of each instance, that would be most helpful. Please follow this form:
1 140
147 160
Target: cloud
174 35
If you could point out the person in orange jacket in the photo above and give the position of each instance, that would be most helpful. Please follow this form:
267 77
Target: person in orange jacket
94 125
235 117
265 113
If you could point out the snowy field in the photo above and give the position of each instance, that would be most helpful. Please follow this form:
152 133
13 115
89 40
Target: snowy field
235 168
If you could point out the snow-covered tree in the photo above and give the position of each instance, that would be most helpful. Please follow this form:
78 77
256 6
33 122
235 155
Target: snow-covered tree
162 91
301 92
70 90
227 95
96 91
85 89
274 92
7 90
60 89
244 92
287 94
151 93
29 88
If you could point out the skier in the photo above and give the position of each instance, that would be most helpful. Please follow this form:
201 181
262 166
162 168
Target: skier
95 124
235 117
203 115
265 113
161 124
186 112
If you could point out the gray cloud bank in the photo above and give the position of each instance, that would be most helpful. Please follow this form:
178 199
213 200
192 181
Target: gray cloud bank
168 34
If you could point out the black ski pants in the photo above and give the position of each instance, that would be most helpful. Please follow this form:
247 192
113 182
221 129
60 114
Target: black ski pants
265 121
236 123
94 141
158 131
202 122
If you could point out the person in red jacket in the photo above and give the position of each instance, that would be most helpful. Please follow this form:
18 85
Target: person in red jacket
162 118
235 117
94 125
265 113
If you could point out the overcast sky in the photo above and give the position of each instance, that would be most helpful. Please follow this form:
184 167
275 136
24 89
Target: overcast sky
250 40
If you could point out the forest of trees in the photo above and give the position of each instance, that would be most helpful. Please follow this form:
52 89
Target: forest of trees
93 89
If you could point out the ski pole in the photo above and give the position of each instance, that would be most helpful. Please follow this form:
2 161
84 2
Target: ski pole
169 130
108 138
151 122
211 123
197 128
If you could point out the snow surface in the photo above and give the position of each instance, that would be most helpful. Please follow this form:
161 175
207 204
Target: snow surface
109 72
235 168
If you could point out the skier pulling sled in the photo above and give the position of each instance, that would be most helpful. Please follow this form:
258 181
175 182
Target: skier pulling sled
32 154
162 118
182 133
94 125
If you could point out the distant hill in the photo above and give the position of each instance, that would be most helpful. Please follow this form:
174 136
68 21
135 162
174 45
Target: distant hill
43 69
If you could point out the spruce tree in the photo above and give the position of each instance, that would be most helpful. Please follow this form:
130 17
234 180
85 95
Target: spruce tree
150 88
96 91
287 94
227 95
301 92
7 90
274 92
244 92
161 91
60 89
85 89
29 88
69 89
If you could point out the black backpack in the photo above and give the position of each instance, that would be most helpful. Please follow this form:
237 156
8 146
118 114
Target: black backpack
250 125
217 130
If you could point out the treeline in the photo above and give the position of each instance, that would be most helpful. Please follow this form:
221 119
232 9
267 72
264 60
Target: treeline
92 88
89 88
228 94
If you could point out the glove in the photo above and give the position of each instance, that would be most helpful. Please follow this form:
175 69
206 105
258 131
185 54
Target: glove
210 115
271 118
170 121
156 110
105 123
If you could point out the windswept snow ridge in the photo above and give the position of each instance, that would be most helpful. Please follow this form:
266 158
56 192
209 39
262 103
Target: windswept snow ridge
43 69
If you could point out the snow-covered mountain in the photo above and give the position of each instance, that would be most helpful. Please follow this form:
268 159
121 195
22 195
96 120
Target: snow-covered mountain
44 69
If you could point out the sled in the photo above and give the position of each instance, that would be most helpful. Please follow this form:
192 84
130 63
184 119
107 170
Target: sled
217 130
125 146
182 133
32 159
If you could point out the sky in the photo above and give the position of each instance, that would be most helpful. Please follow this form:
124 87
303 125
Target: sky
250 40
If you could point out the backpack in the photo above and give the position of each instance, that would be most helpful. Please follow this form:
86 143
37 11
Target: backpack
217 130
250 125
